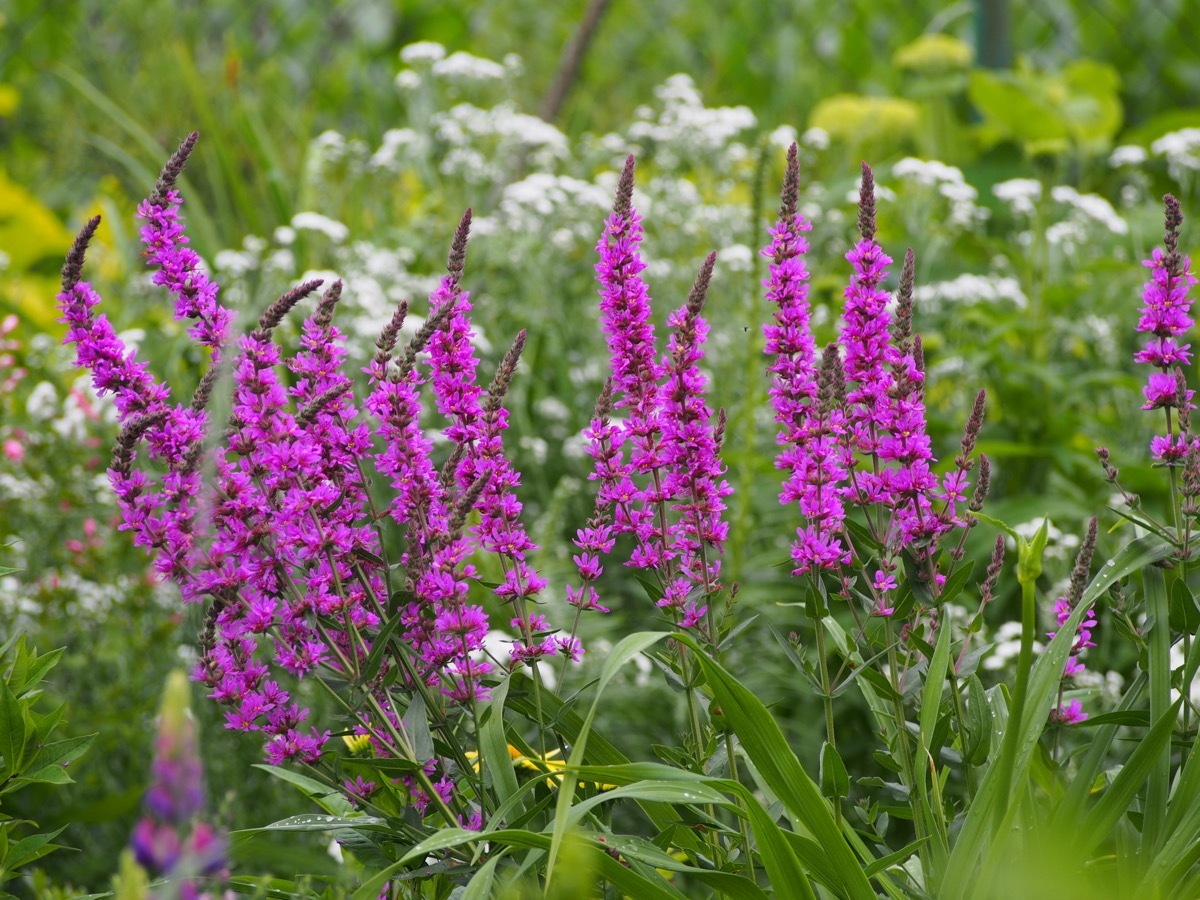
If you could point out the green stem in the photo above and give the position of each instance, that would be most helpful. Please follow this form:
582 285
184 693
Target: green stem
902 739
1160 701
743 821
1008 752
827 700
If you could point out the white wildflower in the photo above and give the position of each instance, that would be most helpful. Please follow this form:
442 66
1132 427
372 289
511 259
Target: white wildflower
462 66
1021 194
1127 155
422 52
313 221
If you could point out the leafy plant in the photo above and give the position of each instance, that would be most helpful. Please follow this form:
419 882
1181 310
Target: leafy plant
28 752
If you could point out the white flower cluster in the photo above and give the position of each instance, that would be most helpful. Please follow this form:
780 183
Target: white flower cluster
1182 150
947 181
1021 194
1092 206
684 127
970 290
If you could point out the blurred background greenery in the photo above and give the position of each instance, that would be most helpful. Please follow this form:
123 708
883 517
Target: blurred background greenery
1021 146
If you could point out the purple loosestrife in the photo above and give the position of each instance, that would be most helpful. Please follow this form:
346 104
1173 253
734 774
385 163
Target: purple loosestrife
162 518
691 457
911 483
477 427
864 338
1063 607
674 445
1166 314
853 430
625 321
810 418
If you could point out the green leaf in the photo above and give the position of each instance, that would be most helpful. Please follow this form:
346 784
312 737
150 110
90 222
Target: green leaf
835 780
886 862
493 743
59 753
979 723
12 730
767 748
415 726
629 647
1185 615
379 648
323 795
306 823
38 669
956 582
28 849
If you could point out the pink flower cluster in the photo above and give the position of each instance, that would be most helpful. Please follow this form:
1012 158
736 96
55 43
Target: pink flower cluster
1166 314
852 429
669 493
275 527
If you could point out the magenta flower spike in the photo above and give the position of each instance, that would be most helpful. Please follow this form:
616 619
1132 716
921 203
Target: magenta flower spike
811 420
691 456
1166 315
866 349
477 425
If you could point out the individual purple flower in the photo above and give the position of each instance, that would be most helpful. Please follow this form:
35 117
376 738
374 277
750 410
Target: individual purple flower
1070 713
359 789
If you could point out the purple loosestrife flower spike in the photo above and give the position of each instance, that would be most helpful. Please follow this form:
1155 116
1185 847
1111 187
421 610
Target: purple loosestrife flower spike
629 334
1166 314
808 425
689 448
178 266
72 270
1063 608
479 426
173 169
866 204
161 518
865 339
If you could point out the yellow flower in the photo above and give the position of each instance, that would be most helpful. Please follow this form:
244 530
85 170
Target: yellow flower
357 743
548 764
